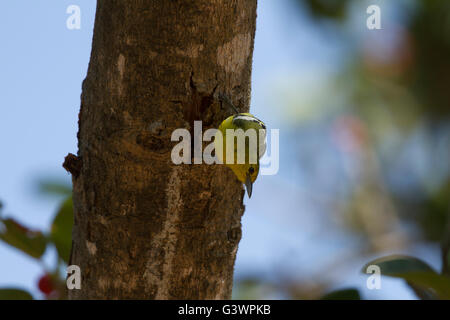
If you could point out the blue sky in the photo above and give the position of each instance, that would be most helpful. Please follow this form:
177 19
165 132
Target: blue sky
43 66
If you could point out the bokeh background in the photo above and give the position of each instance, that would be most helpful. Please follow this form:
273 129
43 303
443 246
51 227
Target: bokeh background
364 140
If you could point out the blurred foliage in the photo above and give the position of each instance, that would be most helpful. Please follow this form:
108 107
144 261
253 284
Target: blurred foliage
14 294
61 230
30 242
250 288
430 37
54 187
431 212
389 114
398 87
336 9
34 243
344 294
426 282
401 92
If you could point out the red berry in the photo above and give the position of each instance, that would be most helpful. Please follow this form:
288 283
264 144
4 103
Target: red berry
45 284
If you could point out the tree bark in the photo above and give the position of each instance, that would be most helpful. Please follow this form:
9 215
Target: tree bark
145 228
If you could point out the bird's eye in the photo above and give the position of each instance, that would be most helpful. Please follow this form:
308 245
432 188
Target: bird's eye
251 170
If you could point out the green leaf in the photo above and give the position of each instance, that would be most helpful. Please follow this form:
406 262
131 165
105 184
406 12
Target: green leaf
438 284
14 294
419 275
61 231
53 187
344 294
397 264
335 9
20 237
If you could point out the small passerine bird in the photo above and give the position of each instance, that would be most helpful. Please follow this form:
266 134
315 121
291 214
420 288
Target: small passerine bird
246 172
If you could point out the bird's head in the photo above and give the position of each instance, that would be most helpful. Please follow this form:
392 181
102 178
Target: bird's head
247 174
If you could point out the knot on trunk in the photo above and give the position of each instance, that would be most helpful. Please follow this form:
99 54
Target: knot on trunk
73 164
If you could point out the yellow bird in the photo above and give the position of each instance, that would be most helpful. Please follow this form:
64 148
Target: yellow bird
246 172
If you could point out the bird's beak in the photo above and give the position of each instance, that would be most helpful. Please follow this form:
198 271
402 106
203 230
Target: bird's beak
249 185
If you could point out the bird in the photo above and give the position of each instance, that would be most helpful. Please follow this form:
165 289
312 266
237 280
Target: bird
246 172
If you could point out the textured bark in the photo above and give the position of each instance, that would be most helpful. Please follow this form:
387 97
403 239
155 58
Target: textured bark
144 227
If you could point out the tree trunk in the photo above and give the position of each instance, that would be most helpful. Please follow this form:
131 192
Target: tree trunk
145 228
